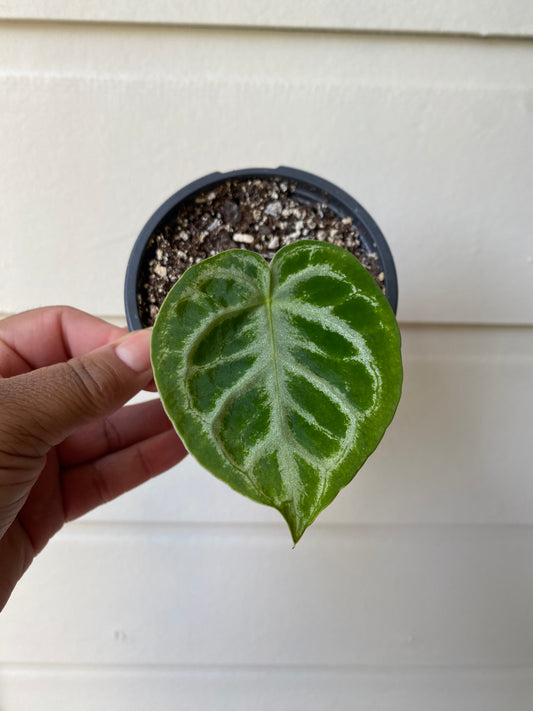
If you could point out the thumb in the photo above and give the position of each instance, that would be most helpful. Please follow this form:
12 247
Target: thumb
41 408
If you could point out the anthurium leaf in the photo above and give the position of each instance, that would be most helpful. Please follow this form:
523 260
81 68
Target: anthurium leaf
280 380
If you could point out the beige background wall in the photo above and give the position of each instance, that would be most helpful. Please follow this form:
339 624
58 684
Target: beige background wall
414 590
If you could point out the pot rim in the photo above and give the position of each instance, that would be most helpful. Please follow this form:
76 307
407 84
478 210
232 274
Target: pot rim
335 196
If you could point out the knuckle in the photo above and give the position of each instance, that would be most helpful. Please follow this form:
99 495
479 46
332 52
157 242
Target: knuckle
102 487
144 465
112 435
91 384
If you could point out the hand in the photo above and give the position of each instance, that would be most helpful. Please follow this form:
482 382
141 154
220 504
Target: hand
66 443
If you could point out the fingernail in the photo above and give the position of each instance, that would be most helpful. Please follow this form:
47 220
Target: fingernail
134 350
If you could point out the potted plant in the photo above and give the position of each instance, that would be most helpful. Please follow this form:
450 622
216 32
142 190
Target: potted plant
280 377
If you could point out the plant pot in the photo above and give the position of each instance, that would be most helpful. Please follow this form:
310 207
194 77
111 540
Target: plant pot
306 189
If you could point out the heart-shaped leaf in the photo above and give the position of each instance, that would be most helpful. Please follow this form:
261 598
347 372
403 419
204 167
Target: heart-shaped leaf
281 381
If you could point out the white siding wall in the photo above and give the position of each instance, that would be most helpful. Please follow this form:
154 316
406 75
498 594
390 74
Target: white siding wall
414 590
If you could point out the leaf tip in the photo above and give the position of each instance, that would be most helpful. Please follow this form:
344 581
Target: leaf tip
295 539
297 528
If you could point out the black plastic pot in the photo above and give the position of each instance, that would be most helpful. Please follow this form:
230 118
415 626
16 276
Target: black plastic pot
309 188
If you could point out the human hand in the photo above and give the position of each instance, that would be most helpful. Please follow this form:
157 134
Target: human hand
66 443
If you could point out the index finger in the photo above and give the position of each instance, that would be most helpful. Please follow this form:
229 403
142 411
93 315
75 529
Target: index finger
49 335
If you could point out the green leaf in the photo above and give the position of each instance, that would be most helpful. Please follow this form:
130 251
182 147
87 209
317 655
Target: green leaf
281 381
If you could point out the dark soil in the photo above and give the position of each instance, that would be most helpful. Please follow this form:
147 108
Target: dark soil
258 214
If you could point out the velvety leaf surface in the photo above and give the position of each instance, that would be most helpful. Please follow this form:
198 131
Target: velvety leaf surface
281 381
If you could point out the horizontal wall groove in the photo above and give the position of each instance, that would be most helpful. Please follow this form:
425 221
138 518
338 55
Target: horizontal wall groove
213 81
246 531
297 28
253 669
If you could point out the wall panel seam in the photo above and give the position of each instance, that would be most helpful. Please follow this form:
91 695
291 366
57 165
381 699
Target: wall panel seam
45 667
482 35
213 82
